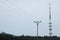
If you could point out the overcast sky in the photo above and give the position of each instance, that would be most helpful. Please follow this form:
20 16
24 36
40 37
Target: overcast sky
17 16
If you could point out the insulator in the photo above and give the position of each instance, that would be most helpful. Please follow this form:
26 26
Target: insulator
50 23
50 29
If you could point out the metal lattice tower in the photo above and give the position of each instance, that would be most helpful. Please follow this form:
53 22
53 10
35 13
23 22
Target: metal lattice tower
50 23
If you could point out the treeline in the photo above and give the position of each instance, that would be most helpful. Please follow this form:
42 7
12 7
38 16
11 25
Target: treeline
4 36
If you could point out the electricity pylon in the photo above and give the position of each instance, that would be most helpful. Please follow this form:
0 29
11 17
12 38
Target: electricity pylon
37 22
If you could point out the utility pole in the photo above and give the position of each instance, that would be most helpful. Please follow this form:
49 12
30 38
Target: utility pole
37 22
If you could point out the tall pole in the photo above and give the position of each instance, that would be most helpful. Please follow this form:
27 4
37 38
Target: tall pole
37 22
50 23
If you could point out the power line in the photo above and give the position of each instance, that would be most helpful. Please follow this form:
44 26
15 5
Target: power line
12 7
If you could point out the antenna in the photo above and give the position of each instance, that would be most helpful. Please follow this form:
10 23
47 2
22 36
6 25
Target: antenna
50 23
37 22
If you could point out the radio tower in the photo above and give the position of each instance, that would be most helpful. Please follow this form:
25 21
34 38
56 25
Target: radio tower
50 23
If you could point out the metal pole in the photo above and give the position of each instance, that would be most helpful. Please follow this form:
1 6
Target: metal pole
37 28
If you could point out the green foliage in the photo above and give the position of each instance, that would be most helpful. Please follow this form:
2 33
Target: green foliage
4 36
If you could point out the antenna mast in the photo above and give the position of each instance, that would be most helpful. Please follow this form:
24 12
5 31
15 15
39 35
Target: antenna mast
50 23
